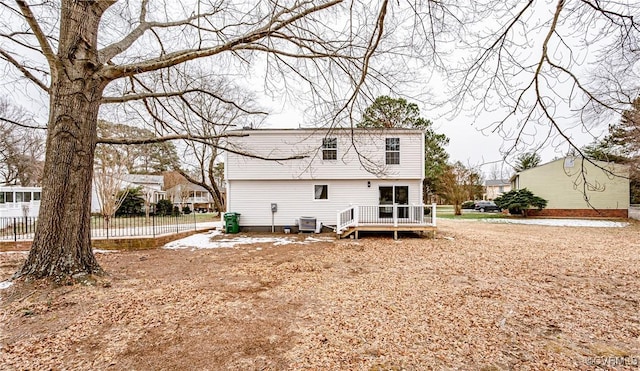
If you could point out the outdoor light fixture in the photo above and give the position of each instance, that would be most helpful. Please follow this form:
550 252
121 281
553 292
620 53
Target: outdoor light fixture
368 184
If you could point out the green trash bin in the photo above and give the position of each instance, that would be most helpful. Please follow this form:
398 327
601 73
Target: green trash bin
231 224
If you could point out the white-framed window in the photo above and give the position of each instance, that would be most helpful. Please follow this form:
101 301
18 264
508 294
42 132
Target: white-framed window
321 192
23 196
392 151
330 148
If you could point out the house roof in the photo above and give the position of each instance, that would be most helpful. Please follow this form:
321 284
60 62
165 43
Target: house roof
496 182
576 162
188 186
144 179
322 129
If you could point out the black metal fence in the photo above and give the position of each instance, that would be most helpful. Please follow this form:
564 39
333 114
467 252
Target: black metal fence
23 228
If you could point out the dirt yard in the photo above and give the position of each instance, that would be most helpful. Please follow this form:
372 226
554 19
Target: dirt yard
479 297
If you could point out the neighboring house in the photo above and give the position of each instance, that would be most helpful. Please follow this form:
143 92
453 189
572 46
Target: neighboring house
188 194
356 171
496 187
561 182
17 201
151 186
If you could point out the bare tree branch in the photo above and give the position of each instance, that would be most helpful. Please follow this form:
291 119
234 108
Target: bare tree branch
172 59
182 93
16 123
166 138
6 56
109 52
47 51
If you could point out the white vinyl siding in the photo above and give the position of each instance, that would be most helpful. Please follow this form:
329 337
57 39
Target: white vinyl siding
17 201
293 199
362 156
321 192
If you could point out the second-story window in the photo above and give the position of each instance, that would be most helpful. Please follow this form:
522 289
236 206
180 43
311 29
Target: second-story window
392 153
330 148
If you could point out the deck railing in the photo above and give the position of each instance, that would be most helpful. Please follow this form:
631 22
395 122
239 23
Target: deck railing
393 215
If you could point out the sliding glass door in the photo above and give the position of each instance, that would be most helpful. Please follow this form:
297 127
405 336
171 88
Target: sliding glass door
390 195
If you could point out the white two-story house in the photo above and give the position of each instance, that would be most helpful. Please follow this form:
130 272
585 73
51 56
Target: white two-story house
18 201
369 175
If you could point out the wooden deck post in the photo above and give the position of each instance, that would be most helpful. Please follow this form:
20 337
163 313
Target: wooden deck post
356 215
433 214
395 215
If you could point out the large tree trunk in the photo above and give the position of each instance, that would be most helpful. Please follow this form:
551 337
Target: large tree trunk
62 243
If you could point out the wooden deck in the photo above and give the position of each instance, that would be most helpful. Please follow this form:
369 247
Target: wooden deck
422 229
386 218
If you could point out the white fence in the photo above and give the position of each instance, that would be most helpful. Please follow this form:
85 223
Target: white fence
634 212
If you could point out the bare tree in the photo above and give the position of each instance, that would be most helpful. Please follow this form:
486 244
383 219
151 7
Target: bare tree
497 171
549 69
152 158
79 48
109 183
204 116
21 147
460 183
334 54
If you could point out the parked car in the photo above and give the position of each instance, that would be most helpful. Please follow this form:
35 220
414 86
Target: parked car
468 205
483 206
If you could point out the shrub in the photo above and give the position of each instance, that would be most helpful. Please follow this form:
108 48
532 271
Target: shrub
518 201
186 209
164 207
176 211
133 203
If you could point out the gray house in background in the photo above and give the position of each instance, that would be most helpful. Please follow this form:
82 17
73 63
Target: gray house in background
150 185
188 194
496 187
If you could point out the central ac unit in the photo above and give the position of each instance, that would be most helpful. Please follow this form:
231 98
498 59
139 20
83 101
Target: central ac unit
307 224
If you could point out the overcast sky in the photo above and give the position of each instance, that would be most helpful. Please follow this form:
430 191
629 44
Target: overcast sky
468 142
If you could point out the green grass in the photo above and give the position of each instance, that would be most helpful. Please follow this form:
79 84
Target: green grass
446 212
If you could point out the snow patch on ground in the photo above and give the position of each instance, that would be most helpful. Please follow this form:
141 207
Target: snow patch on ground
205 241
5 285
15 252
562 222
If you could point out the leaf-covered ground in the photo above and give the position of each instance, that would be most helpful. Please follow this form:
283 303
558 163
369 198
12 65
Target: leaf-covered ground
481 296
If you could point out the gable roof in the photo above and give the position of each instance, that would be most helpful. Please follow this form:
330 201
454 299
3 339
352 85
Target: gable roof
496 182
347 130
144 179
574 161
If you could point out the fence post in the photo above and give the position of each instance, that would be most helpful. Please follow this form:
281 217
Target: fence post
195 222
177 226
153 224
15 235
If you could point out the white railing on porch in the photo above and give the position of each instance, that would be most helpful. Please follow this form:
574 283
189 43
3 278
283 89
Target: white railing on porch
390 215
